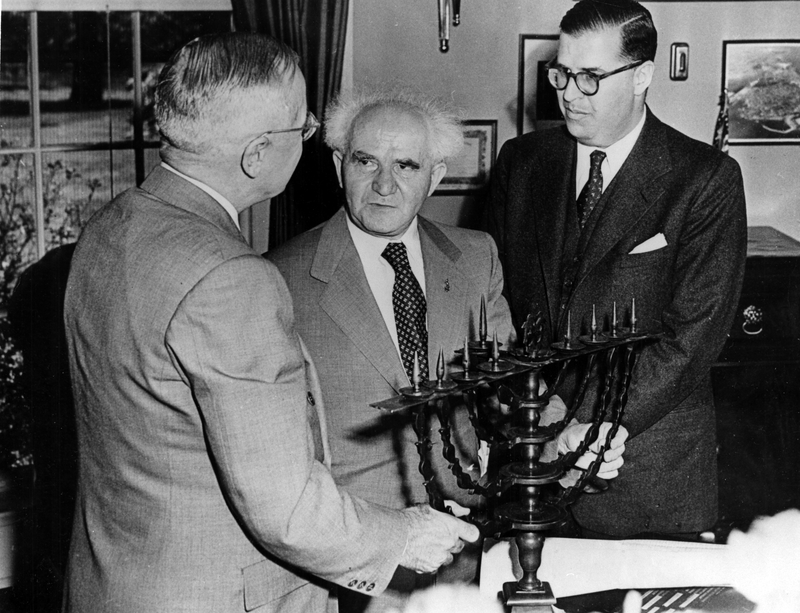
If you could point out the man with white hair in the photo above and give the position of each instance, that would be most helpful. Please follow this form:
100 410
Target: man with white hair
204 465
379 283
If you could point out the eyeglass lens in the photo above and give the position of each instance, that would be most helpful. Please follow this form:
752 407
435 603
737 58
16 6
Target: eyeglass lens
587 82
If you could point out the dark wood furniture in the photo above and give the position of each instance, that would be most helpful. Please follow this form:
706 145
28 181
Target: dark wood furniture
757 385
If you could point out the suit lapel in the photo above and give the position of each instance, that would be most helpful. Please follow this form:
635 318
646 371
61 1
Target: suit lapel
446 293
552 191
635 188
348 300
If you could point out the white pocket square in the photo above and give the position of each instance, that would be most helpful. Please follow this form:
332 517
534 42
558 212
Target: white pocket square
651 244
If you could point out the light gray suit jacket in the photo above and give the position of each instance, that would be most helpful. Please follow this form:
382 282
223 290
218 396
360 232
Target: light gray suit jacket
374 455
203 482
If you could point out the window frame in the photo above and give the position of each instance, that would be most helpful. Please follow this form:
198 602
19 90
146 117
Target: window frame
138 144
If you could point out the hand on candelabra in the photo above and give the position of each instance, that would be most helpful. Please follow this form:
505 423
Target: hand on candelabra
433 538
571 437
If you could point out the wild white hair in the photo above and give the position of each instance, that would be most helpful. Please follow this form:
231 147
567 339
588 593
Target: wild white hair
445 136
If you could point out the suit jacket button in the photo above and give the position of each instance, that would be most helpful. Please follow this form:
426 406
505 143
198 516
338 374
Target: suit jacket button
310 398
361 585
352 583
370 587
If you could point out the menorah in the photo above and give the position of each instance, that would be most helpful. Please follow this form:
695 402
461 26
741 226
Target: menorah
522 492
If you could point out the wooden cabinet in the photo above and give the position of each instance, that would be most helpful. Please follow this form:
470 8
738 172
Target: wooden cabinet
757 385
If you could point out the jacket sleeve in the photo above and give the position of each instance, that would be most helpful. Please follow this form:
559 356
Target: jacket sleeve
233 339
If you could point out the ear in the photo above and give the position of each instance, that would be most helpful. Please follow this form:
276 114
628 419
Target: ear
437 174
337 161
642 77
254 155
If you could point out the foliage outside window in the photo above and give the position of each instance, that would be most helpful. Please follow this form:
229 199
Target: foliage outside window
72 136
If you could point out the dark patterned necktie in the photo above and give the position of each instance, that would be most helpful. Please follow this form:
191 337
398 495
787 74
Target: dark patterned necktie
593 190
410 311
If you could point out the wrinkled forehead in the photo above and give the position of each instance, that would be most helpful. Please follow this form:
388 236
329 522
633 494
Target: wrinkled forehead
390 126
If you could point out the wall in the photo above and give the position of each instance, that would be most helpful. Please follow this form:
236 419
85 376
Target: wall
397 43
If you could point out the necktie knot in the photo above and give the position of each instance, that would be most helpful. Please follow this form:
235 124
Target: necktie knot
396 255
410 311
593 190
596 158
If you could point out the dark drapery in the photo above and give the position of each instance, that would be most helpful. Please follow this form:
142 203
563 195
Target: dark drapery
316 30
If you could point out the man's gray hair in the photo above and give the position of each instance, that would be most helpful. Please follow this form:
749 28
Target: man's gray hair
199 86
445 136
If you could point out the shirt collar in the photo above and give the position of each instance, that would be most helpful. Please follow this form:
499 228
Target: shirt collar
616 153
373 246
222 200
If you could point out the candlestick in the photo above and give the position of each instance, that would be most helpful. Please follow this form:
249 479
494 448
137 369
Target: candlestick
568 333
633 315
442 384
416 390
465 375
482 332
614 332
415 371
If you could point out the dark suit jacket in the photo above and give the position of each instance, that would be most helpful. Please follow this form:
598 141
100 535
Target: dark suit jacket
203 483
374 456
691 193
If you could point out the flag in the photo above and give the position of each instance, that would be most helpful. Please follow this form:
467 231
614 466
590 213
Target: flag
721 129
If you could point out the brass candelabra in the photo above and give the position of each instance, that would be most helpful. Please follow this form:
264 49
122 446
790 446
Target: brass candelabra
524 498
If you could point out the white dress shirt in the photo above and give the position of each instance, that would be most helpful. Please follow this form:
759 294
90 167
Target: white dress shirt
222 200
380 274
616 155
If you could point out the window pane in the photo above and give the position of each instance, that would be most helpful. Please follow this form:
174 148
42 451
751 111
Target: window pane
77 104
76 184
17 224
15 105
124 173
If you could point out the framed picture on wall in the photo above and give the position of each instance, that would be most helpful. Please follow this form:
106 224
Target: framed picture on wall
763 82
537 104
469 171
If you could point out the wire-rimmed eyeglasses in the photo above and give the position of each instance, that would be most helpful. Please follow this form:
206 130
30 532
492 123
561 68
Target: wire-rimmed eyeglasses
587 82
306 130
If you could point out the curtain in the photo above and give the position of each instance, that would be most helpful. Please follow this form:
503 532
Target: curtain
316 30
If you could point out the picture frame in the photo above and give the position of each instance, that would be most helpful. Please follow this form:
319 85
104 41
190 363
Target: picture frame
762 78
537 103
469 171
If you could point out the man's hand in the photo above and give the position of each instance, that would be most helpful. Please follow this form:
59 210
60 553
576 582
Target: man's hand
433 538
572 435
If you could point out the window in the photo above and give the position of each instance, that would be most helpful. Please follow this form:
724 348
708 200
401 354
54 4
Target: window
76 120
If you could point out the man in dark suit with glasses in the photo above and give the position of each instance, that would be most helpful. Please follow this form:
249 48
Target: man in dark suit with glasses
616 206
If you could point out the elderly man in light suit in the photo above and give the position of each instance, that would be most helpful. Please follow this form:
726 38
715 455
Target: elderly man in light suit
390 152
204 464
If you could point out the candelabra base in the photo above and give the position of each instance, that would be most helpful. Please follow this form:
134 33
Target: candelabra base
539 600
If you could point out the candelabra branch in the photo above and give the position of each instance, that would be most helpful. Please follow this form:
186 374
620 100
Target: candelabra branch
424 446
463 479
523 495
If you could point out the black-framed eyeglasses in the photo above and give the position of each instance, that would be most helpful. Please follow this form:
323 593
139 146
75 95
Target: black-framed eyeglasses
588 82
306 130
